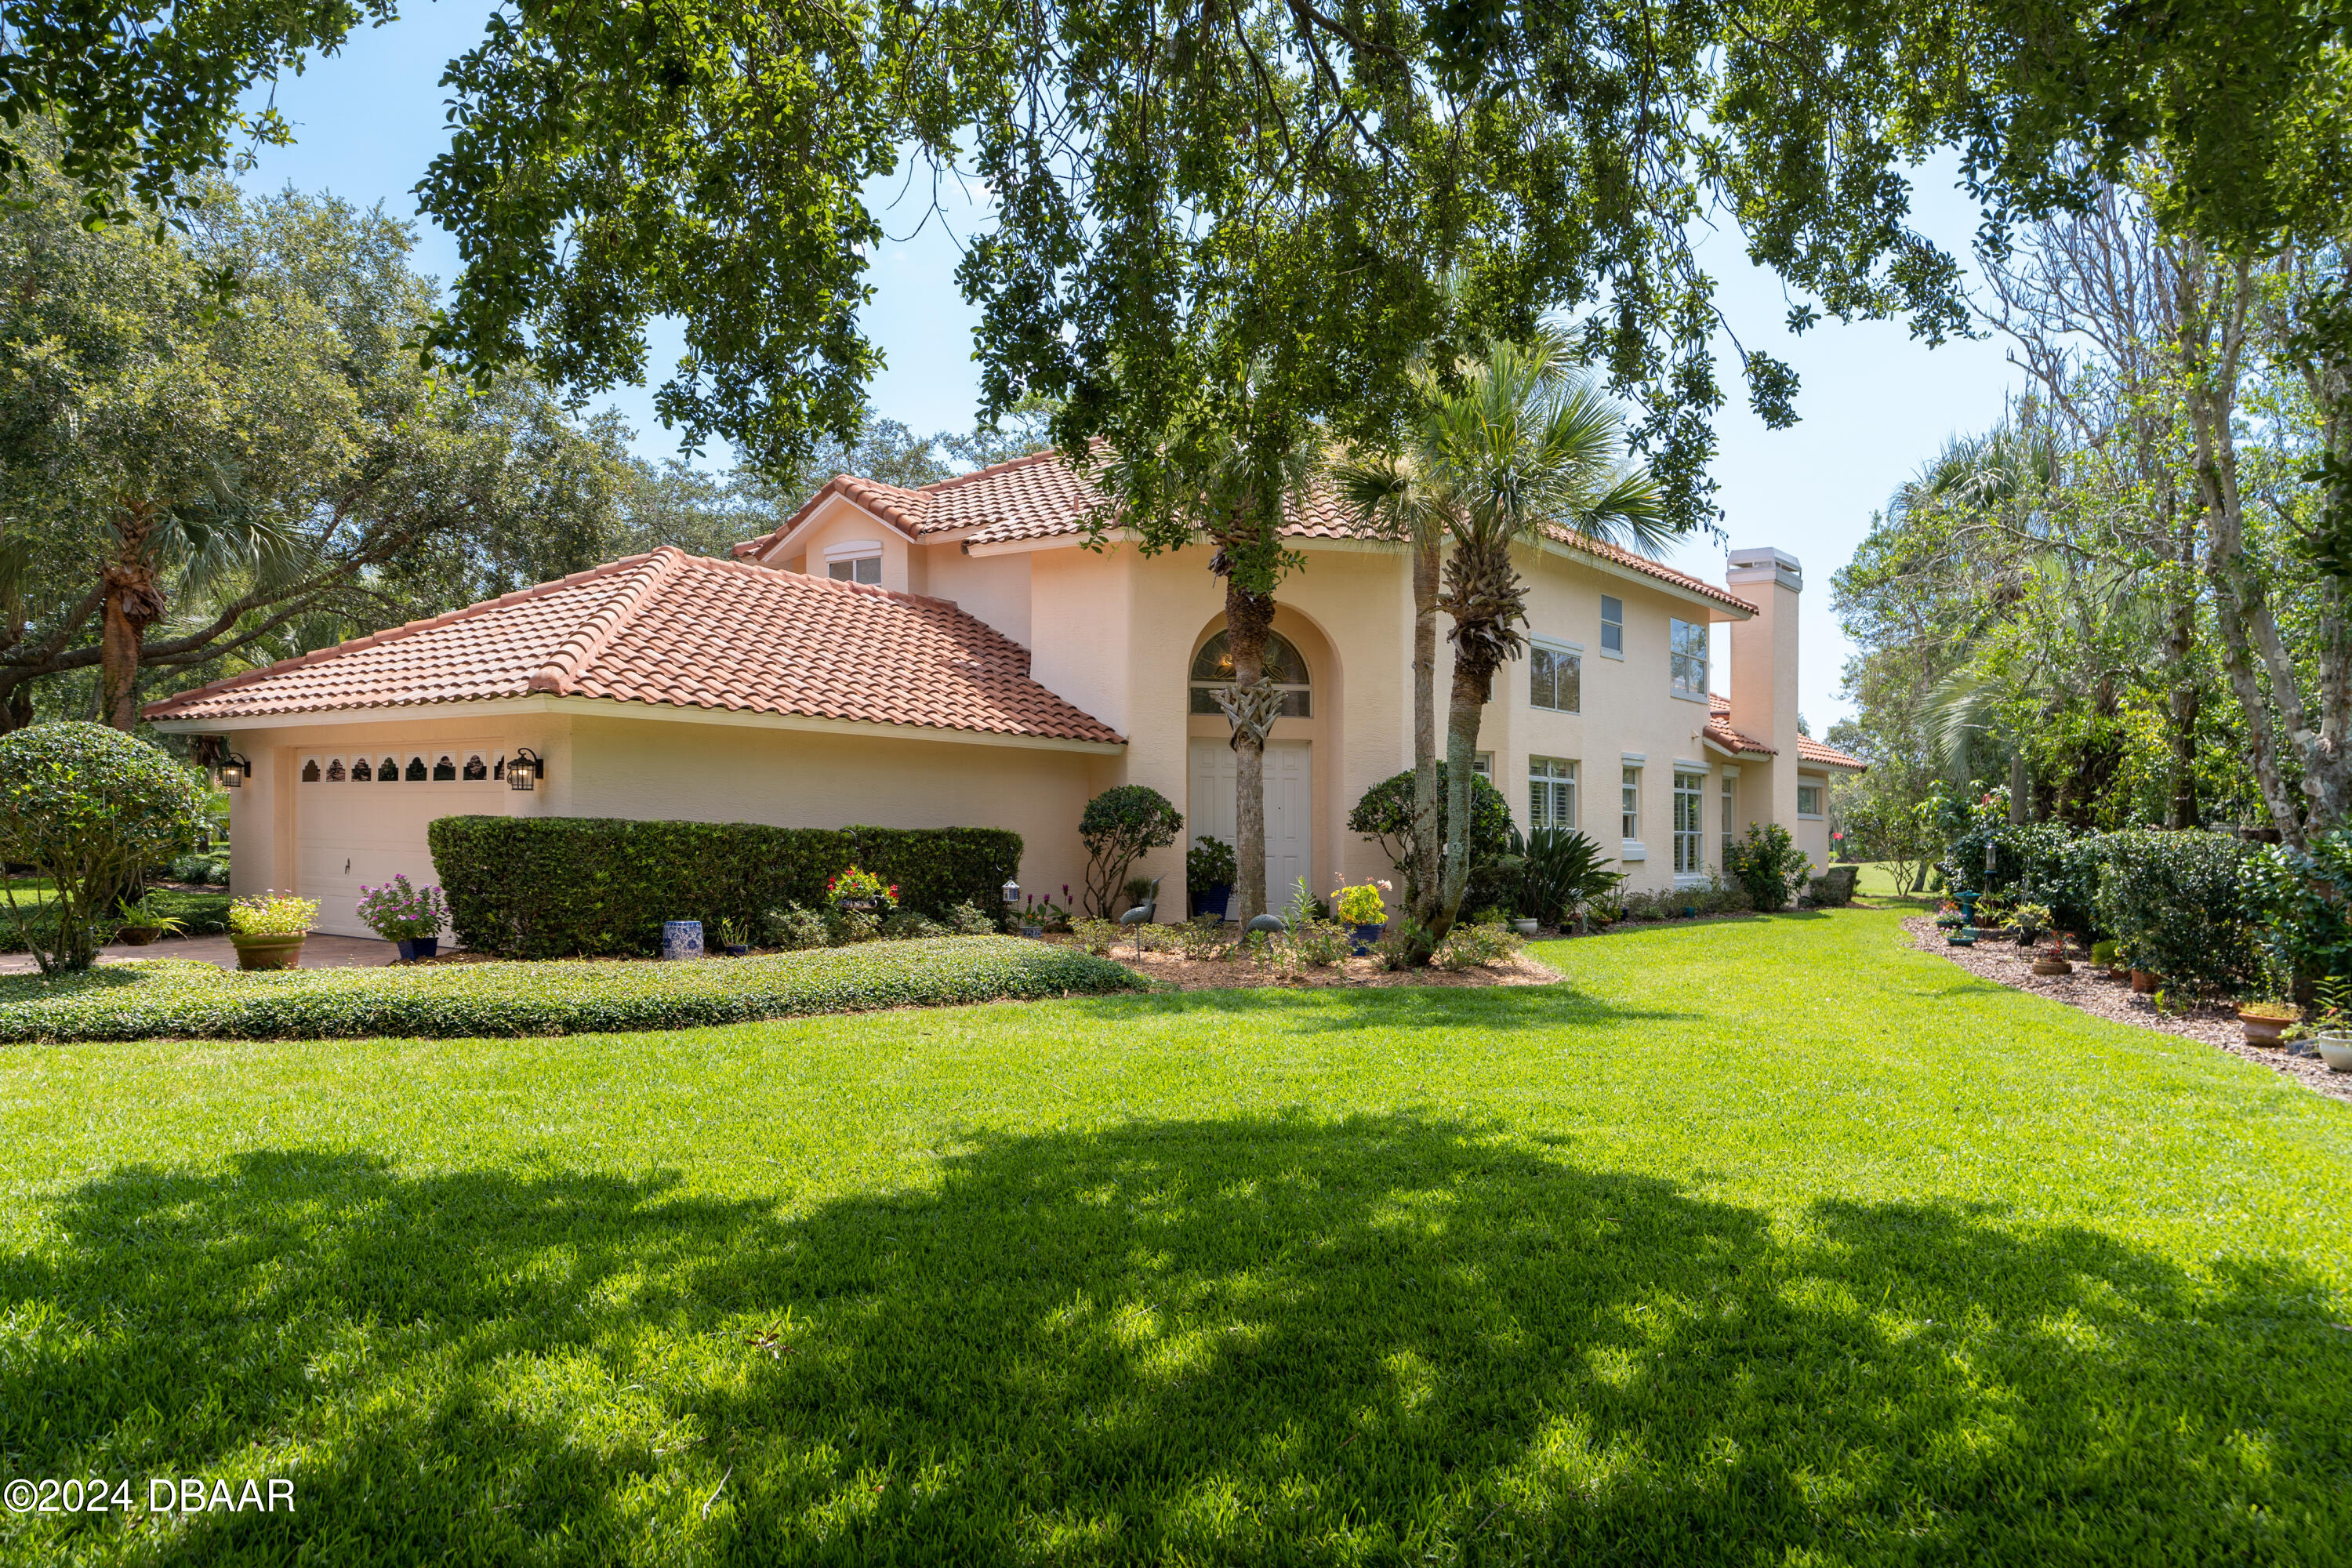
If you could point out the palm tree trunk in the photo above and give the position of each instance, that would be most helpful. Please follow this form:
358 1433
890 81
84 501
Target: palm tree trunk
1423 893
134 601
1472 687
1248 617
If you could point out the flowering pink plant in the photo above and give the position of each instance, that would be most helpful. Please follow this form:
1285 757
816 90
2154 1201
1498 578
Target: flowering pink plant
399 912
856 884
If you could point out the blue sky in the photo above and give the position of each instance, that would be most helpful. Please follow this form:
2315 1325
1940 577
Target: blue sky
1875 404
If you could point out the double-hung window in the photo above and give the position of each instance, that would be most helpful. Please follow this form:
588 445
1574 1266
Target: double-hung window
1554 678
1613 626
1687 642
1690 822
1552 793
1630 806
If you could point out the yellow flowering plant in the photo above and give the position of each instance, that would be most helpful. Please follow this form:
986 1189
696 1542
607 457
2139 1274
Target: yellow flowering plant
272 914
1361 905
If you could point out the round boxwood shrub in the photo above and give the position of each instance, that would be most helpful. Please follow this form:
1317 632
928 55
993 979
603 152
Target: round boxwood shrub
89 808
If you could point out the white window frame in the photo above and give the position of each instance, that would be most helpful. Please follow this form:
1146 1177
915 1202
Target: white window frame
1574 654
1731 813
1817 792
1680 663
1482 764
1690 825
1555 777
1609 623
1629 803
861 557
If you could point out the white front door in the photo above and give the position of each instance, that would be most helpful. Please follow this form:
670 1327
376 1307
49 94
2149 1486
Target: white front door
1289 808
351 832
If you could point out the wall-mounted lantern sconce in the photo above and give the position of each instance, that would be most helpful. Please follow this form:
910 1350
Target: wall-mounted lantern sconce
526 769
234 771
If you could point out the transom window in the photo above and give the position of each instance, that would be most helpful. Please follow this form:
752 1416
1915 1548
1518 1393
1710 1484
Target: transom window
1613 625
1213 667
1554 678
1690 822
1688 643
1552 793
1630 804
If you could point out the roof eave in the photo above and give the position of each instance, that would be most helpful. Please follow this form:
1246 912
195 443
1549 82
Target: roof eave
612 707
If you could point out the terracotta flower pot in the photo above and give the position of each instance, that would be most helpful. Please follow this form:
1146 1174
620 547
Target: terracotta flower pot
268 952
2143 982
2263 1031
2053 966
137 936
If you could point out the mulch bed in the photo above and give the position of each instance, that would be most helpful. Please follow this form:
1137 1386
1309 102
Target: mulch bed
2090 991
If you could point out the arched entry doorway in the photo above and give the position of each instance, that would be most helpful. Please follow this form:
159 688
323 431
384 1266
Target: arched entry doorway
1298 659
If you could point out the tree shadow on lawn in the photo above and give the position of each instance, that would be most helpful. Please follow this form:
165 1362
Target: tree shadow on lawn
1242 1339
1323 1008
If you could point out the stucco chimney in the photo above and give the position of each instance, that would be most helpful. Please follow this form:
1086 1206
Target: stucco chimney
1764 672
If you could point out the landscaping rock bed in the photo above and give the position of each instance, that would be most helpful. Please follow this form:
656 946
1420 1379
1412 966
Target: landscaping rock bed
2090 991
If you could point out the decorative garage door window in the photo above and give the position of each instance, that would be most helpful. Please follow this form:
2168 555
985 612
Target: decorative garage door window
1213 667
471 764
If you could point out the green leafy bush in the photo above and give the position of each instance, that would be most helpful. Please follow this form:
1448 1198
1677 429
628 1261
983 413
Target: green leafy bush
968 919
1768 865
1096 936
795 928
177 998
2176 905
1210 863
2304 898
1117 826
2040 862
1467 946
553 886
91 809
1384 815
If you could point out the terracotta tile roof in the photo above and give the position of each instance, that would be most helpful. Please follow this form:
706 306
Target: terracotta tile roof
684 631
1720 730
1039 497
1812 751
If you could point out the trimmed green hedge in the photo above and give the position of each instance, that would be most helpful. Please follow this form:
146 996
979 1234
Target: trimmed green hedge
553 886
199 914
179 998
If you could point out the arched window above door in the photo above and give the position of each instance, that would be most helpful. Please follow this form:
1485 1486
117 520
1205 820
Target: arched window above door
1213 667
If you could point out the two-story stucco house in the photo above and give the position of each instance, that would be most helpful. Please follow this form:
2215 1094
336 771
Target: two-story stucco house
952 656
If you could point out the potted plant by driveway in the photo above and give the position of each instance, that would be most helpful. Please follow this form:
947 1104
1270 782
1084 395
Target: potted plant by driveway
142 920
269 929
1361 911
410 915
1209 869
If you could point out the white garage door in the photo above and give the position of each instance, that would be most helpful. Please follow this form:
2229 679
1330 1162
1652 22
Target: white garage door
1289 813
358 818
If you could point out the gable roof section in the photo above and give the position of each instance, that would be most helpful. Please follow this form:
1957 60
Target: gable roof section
1720 734
1040 496
683 631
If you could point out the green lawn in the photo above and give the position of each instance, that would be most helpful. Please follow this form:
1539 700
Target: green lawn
1766 1242
1876 880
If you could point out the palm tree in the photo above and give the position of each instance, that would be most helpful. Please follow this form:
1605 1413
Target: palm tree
1526 445
1212 483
